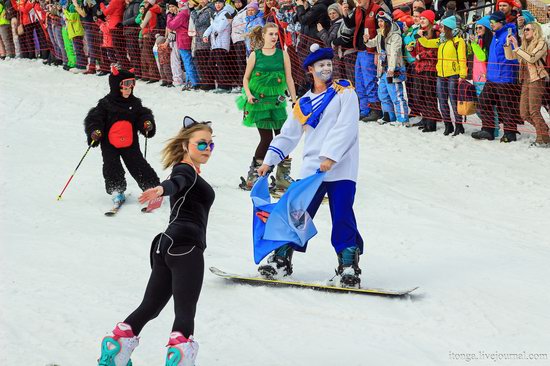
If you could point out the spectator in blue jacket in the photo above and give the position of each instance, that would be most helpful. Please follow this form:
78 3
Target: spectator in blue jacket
501 89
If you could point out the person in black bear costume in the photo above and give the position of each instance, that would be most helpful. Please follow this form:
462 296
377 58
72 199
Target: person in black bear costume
114 124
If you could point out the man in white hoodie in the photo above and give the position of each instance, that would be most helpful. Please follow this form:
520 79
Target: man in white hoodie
328 116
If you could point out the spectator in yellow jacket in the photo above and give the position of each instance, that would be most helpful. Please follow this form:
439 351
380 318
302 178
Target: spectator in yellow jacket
451 65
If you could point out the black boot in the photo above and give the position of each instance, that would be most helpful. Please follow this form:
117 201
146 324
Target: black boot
509 136
430 126
459 129
484 134
449 128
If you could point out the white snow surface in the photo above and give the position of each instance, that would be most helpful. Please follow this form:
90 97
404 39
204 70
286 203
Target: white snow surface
466 220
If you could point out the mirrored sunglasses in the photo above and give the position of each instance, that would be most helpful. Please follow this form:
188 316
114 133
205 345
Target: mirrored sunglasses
128 83
202 145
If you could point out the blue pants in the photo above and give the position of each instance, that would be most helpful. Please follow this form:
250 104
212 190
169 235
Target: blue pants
190 70
393 100
365 81
447 89
341 195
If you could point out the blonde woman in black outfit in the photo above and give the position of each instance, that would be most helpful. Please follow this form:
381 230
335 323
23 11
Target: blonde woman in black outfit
176 254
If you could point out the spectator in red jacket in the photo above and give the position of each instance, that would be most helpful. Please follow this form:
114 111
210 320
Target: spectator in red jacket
114 13
30 15
148 24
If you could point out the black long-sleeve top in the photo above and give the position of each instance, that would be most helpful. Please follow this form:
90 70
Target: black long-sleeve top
188 222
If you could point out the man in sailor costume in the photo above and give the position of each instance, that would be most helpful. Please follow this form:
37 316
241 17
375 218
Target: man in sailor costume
328 116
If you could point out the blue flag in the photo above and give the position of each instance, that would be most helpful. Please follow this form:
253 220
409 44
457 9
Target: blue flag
287 221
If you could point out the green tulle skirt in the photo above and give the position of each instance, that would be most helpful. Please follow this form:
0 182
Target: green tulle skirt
269 112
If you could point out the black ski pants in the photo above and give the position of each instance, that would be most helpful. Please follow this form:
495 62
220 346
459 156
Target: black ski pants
139 168
178 272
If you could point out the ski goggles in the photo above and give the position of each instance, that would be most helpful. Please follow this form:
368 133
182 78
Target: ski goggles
202 145
128 83
190 122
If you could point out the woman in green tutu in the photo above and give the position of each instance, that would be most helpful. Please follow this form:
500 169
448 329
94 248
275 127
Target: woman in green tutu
267 78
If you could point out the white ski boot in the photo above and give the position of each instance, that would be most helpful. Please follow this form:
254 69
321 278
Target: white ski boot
117 347
181 351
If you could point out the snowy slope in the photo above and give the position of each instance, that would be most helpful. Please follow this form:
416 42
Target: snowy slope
465 220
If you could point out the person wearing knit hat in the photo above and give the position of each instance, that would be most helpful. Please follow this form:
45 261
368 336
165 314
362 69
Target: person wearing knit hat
335 15
497 17
480 43
451 66
114 125
509 8
501 89
429 15
335 7
449 22
425 87
390 69
327 116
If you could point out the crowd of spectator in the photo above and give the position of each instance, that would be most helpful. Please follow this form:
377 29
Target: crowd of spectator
421 61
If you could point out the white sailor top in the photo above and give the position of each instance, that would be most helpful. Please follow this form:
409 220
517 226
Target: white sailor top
336 137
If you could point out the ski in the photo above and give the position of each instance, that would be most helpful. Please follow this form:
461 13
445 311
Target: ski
113 211
260 281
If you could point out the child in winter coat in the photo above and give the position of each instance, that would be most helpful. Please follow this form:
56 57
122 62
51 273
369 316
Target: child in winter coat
107 51
162 57
390 69
76 35
114 124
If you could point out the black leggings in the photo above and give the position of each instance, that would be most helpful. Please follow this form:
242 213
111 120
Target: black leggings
180 276
266 136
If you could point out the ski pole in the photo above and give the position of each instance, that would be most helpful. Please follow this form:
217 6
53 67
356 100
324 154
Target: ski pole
69 181
145 153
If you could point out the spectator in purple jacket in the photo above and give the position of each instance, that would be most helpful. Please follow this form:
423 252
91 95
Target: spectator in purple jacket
178 21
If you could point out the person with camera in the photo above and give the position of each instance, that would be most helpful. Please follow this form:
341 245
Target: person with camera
501 88
267 77
114 124
391 70
533 73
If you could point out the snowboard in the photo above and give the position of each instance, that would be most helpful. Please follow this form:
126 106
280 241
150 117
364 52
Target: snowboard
260 281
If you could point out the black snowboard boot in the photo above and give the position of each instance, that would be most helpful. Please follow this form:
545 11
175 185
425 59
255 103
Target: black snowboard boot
348 267
279 263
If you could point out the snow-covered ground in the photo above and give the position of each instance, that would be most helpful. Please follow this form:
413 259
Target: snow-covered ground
466 220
